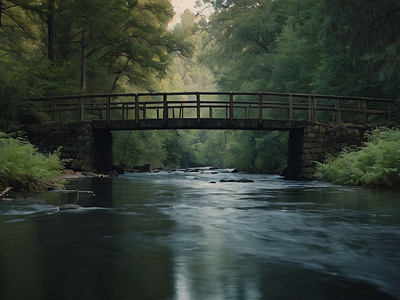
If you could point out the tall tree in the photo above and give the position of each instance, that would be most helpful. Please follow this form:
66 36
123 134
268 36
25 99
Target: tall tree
50 30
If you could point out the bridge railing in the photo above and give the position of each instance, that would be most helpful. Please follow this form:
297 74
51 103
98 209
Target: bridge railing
221 105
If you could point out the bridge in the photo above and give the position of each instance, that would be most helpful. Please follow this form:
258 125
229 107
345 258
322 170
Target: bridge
317 124
213 110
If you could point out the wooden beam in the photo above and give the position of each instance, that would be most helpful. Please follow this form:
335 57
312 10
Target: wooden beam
337 104
290 107
52 109
260 108
198 107
231 108
314 109
165 111
108 113
80 109
136 109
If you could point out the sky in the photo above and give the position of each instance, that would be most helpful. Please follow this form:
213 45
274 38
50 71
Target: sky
179 7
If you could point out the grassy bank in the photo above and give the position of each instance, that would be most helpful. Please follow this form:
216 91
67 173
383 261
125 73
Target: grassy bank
375 164
24 168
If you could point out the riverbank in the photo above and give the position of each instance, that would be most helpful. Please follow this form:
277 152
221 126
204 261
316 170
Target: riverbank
375 164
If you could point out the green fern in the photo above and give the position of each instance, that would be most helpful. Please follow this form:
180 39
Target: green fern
23 166
377 163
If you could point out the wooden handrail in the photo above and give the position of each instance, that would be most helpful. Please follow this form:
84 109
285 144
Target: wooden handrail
259 102
294 95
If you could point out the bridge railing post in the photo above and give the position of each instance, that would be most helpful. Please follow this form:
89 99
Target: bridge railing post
136 109
231 108
198 107
80 109
337 107
260 108
52 109
290 108
363 111
314 109
108 110
165 111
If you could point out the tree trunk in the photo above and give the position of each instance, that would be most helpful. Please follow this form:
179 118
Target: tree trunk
83 62
126 143
1 11
50 28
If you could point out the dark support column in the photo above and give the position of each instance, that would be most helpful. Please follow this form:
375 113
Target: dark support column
294 155
102 149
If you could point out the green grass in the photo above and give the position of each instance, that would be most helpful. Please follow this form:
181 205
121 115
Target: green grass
375 164
23 167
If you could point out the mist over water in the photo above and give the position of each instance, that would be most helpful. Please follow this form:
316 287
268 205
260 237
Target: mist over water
178 236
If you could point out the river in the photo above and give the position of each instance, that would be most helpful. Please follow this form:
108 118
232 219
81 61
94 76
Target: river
178 236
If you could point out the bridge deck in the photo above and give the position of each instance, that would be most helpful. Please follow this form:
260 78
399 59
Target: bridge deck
239 124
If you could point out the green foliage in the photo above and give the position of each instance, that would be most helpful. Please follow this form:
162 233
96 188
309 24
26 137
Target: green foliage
117 46
245 150
328 47
377 163
22 166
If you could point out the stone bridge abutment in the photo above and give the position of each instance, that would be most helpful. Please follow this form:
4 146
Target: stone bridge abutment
85 148
82 148
313 142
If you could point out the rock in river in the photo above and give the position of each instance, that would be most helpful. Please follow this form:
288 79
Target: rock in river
69 206
237 180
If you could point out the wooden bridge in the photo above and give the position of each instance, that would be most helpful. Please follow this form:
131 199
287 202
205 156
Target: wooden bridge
215 110
317 124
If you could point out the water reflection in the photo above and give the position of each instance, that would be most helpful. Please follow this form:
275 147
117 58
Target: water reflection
163 236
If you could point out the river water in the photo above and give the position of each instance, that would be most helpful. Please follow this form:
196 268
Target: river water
178 236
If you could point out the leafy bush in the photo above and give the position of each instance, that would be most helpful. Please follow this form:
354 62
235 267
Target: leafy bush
377 163
23 167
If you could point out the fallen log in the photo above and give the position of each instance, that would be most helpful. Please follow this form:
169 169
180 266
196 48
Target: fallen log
4 193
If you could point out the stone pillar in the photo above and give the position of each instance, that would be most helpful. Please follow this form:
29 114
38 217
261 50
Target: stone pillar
103 141
83 141
74 140
293 170
322 139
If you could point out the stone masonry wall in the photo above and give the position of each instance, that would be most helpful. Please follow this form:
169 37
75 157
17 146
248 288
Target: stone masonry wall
76 140
321 139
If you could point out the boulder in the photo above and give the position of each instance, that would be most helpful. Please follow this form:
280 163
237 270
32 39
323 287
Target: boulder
144 168
237 180
118 168
69 206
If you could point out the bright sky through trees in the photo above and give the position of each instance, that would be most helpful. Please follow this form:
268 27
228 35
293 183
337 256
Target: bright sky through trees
179 7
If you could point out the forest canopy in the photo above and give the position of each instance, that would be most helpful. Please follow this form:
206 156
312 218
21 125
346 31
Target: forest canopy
60 47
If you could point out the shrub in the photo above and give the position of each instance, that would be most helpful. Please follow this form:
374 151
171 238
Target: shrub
377 163
22 166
